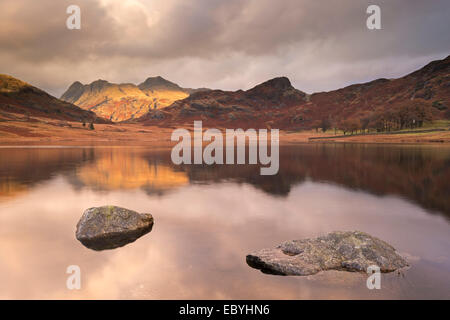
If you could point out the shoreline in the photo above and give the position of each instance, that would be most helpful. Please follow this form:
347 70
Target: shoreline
63 133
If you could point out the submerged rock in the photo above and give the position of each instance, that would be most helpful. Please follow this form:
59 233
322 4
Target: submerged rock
347 251
110 227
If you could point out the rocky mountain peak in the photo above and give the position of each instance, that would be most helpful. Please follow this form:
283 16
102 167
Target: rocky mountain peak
276 88
158 82
279 83
99 85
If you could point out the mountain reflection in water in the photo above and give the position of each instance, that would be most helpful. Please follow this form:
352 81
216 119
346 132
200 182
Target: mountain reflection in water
207 218
420 174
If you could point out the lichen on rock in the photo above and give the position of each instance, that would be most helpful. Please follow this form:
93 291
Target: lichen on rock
348 251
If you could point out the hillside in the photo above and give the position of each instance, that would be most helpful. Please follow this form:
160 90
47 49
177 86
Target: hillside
119 102
420 96
383 104
379 105
260 105
19 99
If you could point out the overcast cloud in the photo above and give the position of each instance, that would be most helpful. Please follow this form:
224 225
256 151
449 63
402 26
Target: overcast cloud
226 44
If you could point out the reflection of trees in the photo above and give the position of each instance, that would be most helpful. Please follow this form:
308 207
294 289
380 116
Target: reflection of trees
418 173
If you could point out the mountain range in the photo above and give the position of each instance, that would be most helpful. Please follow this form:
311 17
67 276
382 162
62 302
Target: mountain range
423 94
119 102
419 96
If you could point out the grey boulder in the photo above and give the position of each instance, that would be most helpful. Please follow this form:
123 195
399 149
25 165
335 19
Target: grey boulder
110 227
348 251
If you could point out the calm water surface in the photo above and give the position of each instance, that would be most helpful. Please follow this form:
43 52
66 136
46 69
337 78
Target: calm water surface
207 218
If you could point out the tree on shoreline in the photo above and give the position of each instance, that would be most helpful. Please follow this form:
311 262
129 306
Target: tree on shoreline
411 115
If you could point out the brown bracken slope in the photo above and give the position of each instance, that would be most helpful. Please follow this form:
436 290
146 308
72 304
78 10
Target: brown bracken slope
19 99
382 104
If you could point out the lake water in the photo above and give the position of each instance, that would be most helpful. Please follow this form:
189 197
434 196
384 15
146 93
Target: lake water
207 218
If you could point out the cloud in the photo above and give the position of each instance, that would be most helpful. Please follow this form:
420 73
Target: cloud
221 44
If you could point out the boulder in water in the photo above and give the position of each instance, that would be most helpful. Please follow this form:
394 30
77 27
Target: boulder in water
348 251
110 227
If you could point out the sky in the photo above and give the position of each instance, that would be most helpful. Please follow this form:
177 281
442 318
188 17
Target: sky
220 44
